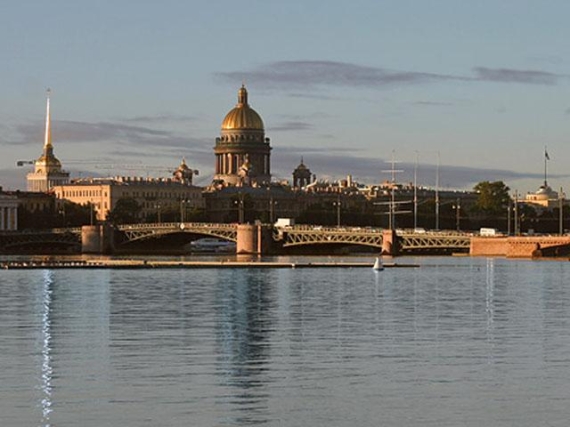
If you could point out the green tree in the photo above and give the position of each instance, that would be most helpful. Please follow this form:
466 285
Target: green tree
493 197
126 211
75 215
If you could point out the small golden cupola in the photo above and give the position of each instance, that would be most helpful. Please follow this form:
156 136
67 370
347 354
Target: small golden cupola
242 116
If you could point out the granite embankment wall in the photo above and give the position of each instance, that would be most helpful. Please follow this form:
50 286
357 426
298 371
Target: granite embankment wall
516 247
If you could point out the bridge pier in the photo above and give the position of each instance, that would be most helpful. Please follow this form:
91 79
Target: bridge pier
97 239
389 242
254 239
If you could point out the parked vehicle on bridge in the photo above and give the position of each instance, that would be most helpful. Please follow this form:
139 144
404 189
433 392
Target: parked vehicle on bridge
284 222
488 232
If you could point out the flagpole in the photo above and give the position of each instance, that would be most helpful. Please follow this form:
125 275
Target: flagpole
546 157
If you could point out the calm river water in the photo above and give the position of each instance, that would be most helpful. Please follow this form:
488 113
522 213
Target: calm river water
455 342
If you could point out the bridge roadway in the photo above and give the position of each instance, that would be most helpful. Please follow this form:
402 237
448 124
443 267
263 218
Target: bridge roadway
290 236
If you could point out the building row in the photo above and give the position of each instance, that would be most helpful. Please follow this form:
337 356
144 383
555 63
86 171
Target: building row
241 190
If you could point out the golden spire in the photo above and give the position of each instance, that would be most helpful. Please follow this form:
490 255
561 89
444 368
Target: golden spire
47 140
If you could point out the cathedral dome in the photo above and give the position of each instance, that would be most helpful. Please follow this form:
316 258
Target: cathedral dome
242 116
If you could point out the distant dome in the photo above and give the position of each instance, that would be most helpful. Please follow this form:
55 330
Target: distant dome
545 192
242 116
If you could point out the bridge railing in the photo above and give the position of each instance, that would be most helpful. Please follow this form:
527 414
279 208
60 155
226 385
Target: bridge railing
73 230
329 229
171 225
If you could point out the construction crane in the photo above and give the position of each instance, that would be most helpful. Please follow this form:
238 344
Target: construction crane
21 163
142 167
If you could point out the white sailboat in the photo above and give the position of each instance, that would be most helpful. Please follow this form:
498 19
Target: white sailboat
378 266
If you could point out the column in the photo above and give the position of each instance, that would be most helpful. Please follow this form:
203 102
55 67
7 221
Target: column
2 210
14 218
8 223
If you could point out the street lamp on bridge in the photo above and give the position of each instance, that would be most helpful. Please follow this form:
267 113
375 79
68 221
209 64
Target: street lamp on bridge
240 206
158 207
457 207
272 204
337 204
183 205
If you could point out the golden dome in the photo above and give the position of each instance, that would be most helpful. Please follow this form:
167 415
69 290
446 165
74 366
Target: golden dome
242 116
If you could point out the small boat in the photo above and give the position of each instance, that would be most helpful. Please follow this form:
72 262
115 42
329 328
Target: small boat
212 245
378 266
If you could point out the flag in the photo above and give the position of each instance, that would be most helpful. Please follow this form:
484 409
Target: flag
546 156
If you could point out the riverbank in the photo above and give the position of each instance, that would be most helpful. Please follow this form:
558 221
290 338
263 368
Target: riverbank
154 264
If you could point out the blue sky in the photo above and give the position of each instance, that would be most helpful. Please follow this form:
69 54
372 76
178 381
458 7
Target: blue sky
346 86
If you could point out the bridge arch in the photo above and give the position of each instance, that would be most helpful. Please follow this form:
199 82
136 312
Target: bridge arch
137 232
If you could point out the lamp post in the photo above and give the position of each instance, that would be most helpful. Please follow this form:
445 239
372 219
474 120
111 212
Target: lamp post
509 209
416 192
437 194
457 207
561 196
240 206
516 213
272 204
337 204
157 206
183 203
62 213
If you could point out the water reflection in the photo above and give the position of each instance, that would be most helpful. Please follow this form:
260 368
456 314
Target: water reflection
47 370
243 336
489 303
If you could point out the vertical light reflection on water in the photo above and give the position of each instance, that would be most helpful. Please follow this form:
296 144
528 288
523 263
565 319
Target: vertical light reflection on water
244 346
47 370
489 305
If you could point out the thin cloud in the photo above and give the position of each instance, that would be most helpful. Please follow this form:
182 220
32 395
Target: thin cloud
312 75
75 132
318 150
433 104
286 74
162 118
313 96
507 75
65 131
291 126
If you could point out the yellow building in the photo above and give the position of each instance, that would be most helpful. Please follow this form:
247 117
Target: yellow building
153 195
545 197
